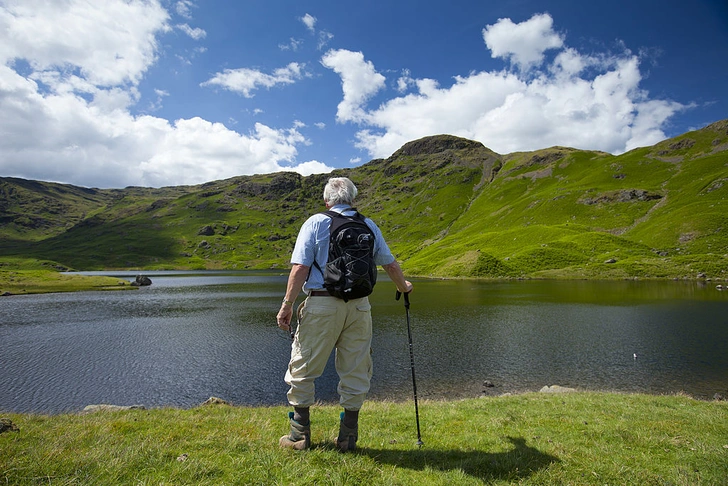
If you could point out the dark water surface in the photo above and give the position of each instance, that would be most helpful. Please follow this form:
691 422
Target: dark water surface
194 335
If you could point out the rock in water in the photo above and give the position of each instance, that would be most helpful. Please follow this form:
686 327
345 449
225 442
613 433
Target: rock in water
142 281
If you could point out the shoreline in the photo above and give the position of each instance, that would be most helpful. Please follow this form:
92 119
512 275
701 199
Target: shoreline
546 390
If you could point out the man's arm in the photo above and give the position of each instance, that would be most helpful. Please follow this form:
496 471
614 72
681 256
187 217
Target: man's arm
296 279
395 273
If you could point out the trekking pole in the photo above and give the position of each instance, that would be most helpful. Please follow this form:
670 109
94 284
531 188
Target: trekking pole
412 364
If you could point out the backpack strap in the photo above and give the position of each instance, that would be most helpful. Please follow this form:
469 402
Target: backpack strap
331 214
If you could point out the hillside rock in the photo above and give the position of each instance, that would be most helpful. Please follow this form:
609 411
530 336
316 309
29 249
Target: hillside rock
206 230
625 195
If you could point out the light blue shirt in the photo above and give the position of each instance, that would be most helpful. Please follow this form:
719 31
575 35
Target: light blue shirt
313 242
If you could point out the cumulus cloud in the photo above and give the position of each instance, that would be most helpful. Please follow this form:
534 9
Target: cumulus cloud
359 81
245 80
68 102
310 167
574 100
118 42
523 44
63 137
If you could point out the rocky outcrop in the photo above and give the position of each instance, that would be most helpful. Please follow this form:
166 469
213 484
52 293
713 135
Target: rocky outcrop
625 195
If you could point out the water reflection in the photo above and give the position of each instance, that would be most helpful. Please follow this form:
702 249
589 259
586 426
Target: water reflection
191 336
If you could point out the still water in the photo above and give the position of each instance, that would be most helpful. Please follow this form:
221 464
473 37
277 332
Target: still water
192 335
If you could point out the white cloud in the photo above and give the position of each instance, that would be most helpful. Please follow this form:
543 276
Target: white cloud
359 80
64 137
183 8
523 44
292 45
117 46
195 33
68 116
245 80
576 100
324 38
405 81
309 21
311 167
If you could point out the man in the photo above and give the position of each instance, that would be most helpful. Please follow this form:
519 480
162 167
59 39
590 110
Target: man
327 322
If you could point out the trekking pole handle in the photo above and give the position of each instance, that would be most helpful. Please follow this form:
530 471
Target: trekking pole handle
406 298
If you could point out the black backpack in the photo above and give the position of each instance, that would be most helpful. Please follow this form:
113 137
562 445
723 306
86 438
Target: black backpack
350 270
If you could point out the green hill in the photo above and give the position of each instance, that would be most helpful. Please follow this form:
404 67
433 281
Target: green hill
448 207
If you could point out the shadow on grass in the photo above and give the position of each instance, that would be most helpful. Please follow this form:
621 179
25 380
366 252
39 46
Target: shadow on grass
520 462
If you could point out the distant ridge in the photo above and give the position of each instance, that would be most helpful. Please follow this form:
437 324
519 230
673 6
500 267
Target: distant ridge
448 205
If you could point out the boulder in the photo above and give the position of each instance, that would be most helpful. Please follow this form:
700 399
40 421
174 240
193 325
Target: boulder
216 401
141 281
206 230
7 425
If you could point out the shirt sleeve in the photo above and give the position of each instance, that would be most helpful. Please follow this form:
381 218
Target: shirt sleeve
382 254
305 248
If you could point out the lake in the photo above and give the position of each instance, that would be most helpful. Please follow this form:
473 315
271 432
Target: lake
192 335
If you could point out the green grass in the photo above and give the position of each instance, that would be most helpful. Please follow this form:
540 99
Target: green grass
574 438
27 276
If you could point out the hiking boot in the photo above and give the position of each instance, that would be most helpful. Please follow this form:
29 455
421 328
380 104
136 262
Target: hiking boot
299 438
346 441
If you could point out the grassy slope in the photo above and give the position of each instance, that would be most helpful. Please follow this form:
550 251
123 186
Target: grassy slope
27 276
535 218
449 207
577 438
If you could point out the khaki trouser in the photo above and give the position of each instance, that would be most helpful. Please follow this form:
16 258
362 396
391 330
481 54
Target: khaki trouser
327 323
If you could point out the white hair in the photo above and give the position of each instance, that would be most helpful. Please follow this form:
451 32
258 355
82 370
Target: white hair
339 190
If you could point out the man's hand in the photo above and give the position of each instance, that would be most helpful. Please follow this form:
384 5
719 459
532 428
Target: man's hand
298 275
284 317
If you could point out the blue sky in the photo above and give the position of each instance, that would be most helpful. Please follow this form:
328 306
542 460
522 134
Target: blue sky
160 92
